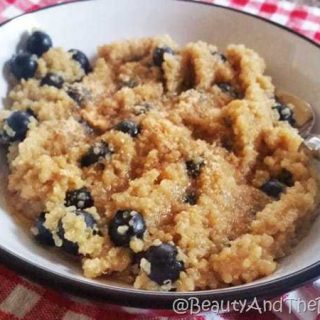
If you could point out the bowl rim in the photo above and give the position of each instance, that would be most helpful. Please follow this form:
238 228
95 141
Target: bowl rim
153 299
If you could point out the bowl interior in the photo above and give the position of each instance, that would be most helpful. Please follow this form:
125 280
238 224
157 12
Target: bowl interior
292 61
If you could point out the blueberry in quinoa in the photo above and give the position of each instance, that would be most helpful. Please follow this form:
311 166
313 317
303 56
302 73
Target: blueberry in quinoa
164 264
23 65
286 177
125 225
82 59
158 55
194 167
98 152
38 43
67 245
41 233
16 126
285 113
31 113
273 188
91 224
53 80
129 127
80 198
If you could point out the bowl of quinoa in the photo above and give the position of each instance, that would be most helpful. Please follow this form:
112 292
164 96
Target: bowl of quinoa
153 165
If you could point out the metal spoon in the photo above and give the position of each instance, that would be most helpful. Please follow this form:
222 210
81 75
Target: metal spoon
305 120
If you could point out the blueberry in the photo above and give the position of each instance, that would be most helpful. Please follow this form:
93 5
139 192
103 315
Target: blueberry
16 125
38 43
23 65
67 245
228 89
158 55
53 80
191 198
129 127
88 218
285 113
42 234
80 57
80 198
72 247
31 113
125 225
273 188
286 177
164 263
96 153
194 167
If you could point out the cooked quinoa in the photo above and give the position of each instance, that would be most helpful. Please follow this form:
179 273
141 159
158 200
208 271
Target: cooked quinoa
165 167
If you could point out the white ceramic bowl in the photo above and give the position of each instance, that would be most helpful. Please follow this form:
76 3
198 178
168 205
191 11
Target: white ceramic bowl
292 60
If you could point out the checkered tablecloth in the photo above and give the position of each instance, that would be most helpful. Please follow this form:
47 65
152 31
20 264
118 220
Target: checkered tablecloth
22 299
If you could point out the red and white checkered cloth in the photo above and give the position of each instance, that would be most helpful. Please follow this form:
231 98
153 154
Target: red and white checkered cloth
21 299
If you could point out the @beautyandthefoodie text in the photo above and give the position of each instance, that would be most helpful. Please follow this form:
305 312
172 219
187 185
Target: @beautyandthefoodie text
193 305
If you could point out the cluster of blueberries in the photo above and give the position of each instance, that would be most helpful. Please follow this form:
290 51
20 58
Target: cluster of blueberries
275 186
100 150
23 66
82 199
123 227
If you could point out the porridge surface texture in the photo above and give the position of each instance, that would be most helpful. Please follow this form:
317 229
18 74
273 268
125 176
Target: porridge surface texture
164 167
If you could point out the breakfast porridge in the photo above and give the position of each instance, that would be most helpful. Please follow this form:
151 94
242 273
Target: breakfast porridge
164 167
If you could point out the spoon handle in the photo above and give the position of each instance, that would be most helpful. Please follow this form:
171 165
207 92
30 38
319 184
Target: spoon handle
311 144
